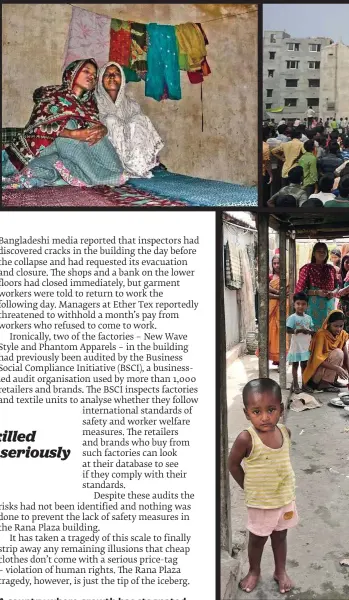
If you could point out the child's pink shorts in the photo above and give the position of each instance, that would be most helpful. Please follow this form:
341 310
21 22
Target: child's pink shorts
263 521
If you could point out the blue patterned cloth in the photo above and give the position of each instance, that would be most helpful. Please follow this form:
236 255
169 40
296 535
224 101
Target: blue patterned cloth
163 66
196 191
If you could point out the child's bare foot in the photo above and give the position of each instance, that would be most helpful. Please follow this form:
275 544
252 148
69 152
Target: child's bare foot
249 582
285 583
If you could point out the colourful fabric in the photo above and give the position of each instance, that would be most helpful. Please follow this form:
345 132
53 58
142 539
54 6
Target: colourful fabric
77 163
196 191
300 342
320 277
336 359
263 521
97 196
120 42
322 344
54 107
163 68
274 323
191 43
139 47
89 35
317 277
269 478
132 134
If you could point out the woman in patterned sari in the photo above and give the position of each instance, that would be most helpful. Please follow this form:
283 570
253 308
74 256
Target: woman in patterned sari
319 281
64 140
274 311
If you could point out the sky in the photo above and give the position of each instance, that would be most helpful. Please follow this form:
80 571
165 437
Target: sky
309 20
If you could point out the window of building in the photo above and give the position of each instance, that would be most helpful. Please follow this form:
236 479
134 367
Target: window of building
292 64
291 101
272 55
314 64
268 106
314 82
269 93
291 82
311 102
271 72
314 47
293 47
272 38
331 105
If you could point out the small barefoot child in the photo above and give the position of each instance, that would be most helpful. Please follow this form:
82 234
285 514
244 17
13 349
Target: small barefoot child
267 479
301 327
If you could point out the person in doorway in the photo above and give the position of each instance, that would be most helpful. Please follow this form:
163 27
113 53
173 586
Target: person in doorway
264 449
329 359
335 258
319 281
274 310
131 132
301 327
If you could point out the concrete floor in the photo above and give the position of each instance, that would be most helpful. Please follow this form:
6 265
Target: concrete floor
320 458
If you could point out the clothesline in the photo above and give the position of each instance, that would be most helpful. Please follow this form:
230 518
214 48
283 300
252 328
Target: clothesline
202 22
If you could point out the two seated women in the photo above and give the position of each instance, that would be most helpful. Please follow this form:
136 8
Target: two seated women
83 134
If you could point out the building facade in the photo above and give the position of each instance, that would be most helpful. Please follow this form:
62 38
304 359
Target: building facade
334 77
292 74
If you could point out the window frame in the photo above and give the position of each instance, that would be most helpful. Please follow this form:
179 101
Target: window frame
271 71
271 94
313 86
314 68
290 62
272 52
318 47
296 46
295 100
291 86
268 105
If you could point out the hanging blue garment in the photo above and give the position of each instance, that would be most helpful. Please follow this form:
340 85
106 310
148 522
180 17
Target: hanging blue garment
163 67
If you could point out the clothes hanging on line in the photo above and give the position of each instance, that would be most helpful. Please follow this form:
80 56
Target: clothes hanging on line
163 75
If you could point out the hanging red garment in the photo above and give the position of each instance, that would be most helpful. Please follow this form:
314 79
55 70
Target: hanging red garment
120 42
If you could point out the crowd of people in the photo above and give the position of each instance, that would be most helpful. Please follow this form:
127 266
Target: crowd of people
86 131
306 164
322 287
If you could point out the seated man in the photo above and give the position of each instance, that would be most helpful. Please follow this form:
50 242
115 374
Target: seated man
343 199
294 188
325 189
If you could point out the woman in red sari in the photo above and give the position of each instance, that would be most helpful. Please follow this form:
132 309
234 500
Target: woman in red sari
318 280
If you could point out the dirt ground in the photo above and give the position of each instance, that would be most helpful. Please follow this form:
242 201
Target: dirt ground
320 458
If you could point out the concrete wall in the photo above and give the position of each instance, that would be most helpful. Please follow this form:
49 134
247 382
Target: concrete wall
302 74
34 39
334 90
240 238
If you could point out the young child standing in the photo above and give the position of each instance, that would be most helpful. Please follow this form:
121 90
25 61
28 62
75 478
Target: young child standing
267 479
301 327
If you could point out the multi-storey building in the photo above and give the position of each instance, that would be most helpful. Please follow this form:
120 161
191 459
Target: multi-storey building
334 77
291 73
